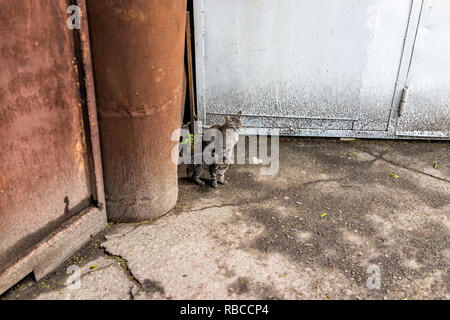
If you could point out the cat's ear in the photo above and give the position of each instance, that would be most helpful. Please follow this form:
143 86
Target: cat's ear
239 114
228 119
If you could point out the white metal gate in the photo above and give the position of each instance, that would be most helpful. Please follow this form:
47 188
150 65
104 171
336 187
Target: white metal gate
315 68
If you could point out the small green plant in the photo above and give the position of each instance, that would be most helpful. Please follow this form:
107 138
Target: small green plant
44 284
189 141
120 260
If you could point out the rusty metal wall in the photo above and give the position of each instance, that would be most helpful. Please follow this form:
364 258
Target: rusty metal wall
138 51
47 173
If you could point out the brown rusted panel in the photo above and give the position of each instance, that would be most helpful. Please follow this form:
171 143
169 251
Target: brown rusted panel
54 249
44 167
138 53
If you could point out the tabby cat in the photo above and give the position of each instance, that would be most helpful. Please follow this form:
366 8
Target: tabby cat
230 131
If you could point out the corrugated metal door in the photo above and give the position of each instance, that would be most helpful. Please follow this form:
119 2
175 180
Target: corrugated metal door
427 110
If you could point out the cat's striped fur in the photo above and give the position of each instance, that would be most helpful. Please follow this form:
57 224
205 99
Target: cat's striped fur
230 131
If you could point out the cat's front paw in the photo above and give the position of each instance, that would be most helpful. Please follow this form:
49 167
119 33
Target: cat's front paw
214 184
198 181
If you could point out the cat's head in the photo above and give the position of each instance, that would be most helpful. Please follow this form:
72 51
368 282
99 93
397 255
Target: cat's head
235 122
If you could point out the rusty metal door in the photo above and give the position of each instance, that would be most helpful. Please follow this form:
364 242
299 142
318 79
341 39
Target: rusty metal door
426 111
50 172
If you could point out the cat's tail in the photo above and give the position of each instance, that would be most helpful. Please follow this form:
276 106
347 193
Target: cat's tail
189 172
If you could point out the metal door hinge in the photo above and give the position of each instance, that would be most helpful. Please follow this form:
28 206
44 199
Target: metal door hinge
403 101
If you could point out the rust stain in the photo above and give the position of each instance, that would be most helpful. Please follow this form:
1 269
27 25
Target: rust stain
132 14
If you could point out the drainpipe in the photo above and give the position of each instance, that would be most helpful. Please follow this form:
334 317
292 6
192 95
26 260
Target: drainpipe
138 60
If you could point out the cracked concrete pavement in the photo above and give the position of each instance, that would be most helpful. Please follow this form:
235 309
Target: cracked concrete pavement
264 237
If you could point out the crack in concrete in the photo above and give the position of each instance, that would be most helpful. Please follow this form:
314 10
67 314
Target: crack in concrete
124 264
130 293
219 206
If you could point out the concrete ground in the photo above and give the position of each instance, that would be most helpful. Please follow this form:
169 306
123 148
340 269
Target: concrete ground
387 205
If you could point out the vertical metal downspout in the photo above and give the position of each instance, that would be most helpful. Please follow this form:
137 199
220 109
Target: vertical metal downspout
138 54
